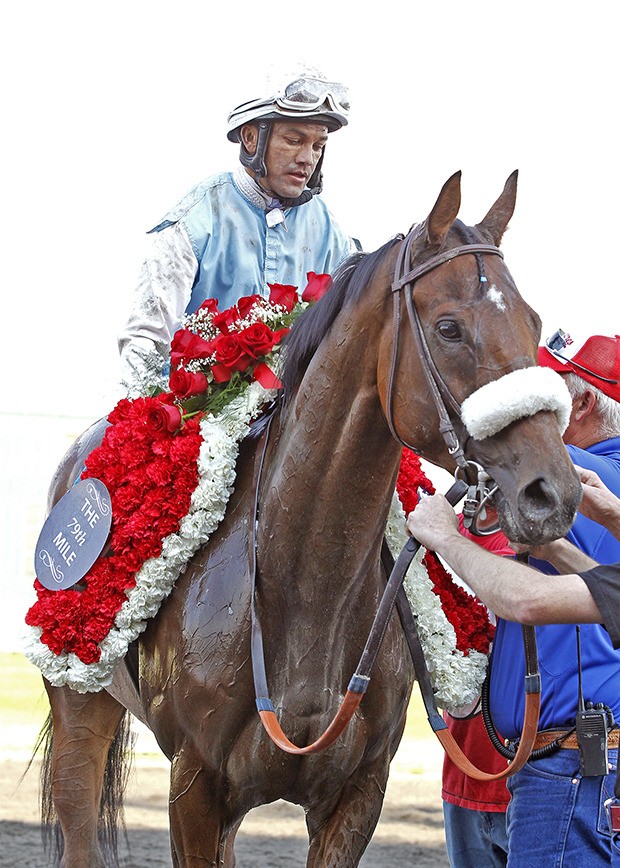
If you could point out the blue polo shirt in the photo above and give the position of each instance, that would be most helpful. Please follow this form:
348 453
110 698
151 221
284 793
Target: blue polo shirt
557 648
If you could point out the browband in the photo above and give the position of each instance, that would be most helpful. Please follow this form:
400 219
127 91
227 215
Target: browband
436 261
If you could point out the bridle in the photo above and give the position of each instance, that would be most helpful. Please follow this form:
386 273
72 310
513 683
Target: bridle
403 285
470 472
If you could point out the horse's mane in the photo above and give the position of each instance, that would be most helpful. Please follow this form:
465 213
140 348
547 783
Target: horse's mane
349 280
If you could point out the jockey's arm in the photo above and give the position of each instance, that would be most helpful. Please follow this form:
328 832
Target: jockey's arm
160 299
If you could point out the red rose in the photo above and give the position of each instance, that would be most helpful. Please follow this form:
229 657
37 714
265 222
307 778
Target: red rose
318 284
163 417
224 320
259 340
186 345
246 304
209 304
184 384
229 353
281 293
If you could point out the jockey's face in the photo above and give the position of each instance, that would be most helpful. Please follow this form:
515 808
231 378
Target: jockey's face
293 150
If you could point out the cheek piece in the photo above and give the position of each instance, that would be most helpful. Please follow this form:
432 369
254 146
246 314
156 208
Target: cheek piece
514 396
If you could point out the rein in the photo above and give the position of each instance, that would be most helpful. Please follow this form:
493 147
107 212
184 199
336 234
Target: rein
361 678
264 705
394 593
436 721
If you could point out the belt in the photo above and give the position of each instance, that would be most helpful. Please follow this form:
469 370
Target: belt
570 741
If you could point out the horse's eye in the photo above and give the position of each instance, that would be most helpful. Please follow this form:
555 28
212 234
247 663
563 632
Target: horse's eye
449 330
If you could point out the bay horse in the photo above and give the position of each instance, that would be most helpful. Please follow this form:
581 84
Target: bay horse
329 471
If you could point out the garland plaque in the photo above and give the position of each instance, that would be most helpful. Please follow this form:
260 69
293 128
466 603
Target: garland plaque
74 535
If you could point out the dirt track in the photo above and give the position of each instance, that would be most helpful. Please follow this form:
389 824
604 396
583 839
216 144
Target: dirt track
410 831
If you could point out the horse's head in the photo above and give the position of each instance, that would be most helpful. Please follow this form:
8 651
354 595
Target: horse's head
478 340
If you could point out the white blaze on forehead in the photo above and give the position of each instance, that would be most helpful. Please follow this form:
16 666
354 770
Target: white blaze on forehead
514 396
496 297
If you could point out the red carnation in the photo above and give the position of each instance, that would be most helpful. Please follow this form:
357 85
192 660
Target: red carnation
122 411
149 499
411 477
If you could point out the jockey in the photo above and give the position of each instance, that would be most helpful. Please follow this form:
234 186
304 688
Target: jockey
237 232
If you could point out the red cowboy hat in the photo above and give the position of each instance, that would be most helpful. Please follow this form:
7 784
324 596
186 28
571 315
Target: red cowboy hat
596 360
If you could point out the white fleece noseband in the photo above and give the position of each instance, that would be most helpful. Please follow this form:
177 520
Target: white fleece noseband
514 396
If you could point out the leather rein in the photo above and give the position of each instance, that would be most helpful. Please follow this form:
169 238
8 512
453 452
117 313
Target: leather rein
394 593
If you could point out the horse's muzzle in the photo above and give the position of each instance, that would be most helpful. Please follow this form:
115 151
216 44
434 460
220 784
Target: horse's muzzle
544 511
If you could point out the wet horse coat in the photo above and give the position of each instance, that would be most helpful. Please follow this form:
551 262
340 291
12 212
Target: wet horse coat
329 472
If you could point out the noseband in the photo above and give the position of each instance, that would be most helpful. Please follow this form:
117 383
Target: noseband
405 280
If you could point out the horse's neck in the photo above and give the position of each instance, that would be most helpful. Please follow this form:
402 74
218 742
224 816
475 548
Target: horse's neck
329 483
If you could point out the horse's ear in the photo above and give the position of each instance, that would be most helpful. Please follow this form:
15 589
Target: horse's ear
494 224
444 211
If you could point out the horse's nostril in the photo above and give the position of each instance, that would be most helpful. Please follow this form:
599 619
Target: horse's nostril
537 498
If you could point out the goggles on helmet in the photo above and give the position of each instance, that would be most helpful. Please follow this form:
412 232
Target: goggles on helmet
308 94
305 98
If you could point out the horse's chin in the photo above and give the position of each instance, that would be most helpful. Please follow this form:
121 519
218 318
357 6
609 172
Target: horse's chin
532 529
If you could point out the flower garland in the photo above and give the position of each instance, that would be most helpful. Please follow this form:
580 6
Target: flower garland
150 473
455 631
169 462
169 465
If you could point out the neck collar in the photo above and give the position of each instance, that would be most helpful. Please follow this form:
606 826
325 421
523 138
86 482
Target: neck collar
253 192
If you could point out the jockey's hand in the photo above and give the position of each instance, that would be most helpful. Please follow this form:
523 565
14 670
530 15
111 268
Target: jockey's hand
432 521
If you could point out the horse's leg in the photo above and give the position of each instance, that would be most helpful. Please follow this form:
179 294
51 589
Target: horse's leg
84 727
341 830
227 847
198 827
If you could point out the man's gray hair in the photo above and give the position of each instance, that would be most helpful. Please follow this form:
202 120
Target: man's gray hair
609 410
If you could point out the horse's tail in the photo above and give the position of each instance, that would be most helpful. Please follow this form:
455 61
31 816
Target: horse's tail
50 827
111 813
